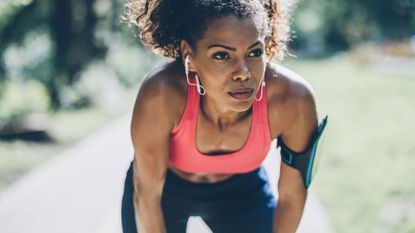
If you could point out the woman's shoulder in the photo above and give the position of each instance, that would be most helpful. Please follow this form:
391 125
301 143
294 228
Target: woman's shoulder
289 96
165 79
164 87
286 85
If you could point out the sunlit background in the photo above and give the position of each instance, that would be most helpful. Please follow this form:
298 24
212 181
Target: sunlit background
70 69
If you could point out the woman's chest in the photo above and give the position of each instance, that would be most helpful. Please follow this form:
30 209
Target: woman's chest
212 139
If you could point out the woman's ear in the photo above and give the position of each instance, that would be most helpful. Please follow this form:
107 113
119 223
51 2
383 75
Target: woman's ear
186 50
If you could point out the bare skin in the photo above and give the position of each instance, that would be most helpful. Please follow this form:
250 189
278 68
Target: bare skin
223 122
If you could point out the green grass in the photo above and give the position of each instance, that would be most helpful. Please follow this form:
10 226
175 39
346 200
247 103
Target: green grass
66 127
369 148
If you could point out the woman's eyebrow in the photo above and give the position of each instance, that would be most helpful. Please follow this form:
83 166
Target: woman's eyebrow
230 48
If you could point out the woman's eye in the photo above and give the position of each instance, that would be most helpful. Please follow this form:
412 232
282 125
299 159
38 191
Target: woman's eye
221 55
256 53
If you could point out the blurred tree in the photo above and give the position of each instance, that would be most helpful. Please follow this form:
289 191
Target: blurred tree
15 26
325 26
72 24
75 32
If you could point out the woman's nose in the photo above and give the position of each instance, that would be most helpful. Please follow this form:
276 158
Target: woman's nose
242 72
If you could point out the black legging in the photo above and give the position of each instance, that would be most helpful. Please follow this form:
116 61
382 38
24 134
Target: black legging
243 203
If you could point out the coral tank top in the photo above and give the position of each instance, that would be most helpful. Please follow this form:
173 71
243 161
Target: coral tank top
185 156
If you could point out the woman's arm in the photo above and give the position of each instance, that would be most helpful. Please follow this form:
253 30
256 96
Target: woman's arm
300 124
292 197
150 131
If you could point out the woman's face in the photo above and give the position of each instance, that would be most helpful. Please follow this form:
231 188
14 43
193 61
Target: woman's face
230 61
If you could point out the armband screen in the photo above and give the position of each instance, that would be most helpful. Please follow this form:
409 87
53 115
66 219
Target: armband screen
307 161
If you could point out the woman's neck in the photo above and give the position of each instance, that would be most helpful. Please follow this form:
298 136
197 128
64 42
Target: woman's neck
221 117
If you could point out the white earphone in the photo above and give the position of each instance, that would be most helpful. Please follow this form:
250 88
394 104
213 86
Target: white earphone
200 88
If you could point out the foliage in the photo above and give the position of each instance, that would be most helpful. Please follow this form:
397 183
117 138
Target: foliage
22 98
78 51
73 34
323 26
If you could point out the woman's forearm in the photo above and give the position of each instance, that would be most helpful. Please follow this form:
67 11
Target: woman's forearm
148 215
288 215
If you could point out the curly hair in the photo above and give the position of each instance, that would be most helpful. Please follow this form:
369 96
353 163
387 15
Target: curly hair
162 24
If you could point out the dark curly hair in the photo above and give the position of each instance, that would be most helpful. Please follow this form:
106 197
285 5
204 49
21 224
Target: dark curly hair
163 24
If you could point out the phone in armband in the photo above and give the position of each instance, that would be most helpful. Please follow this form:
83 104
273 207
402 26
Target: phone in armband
306 162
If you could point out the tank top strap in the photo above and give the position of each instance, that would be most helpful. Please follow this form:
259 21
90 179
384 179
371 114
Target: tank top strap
193 97
190 108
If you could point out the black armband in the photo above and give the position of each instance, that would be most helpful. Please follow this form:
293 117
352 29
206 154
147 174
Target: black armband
307 161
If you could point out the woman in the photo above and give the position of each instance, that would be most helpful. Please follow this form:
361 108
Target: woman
203 123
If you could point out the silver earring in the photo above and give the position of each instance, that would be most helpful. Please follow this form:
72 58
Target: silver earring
200 88
261 91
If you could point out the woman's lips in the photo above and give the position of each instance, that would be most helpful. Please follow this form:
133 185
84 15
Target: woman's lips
241 94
